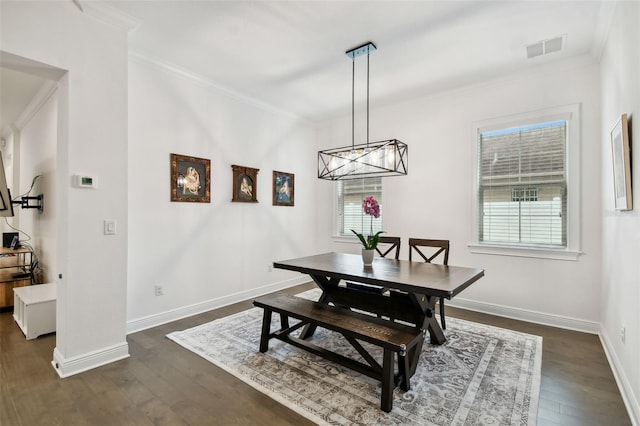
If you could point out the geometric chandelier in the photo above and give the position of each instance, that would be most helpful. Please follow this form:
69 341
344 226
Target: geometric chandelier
382 158
370 159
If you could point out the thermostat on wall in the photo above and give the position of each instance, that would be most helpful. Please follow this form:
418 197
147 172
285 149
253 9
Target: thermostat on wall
85 181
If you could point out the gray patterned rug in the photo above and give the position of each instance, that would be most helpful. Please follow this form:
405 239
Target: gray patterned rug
482 375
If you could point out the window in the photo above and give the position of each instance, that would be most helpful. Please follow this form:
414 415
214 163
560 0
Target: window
349 212
524 194
526 198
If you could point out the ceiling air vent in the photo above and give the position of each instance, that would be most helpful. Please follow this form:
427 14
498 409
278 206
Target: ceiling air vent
546 46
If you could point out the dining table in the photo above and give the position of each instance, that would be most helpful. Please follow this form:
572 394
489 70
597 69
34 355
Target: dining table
404 291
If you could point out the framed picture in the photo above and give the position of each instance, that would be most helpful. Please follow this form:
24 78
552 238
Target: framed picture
621 164
245 184
283 190
190 179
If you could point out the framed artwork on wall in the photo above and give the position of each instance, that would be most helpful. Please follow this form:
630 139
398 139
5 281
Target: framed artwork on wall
245 184
190 179
620 147
283 189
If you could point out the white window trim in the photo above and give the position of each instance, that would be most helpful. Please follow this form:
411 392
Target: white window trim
571 113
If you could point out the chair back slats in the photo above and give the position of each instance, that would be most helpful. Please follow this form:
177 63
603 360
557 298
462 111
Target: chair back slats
441 246
393 243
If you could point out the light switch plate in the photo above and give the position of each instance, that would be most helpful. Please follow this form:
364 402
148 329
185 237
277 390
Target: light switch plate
109 227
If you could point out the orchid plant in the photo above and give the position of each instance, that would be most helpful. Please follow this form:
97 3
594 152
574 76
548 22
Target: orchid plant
370 207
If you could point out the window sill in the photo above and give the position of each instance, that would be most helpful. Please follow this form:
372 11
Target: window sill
345 239
520 251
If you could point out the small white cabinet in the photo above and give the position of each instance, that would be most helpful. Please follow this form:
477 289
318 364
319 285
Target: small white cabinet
34 309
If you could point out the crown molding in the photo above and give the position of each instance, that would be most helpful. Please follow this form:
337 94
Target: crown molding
47 89
110 15
208 83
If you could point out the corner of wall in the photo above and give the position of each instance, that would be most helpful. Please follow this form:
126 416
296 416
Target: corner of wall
629 398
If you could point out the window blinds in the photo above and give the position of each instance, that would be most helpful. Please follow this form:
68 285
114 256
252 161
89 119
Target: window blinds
523 185
349 212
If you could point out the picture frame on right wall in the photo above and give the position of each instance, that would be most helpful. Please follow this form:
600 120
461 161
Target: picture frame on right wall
620 150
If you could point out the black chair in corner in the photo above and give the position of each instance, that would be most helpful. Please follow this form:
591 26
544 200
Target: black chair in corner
429 250
386 245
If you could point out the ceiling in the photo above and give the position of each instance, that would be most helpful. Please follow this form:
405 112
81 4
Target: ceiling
290 55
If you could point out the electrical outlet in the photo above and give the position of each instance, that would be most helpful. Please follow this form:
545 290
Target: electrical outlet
623 334
159 290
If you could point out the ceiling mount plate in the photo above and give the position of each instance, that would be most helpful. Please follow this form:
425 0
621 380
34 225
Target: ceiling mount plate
361 50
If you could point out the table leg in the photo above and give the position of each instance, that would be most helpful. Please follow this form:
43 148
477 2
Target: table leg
427 305
325 284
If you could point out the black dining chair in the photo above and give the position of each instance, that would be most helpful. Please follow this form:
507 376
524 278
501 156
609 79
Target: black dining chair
387 246
429 250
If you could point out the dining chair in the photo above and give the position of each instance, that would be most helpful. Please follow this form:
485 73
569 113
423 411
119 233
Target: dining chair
385 247
429 250
389 244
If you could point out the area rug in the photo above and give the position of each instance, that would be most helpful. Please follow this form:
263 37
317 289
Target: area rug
482 375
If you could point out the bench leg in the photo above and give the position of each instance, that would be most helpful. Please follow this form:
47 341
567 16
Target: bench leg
404 369
266 330
386 400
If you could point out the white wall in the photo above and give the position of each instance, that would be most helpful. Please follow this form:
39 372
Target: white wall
38 144
10 144
620 295
205 255
435 199
92 138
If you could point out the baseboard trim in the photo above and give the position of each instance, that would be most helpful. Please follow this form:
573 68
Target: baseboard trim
155 320
630 400
559 321
66 367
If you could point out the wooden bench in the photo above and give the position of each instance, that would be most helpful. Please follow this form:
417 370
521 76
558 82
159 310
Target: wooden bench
393 338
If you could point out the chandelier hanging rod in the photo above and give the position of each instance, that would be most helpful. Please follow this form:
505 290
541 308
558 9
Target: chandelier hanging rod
363 49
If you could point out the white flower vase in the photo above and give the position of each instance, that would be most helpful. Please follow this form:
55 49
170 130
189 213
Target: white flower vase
367 256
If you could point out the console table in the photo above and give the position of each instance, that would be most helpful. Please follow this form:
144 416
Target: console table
15 271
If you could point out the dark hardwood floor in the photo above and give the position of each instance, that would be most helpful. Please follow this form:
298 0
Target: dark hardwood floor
164 384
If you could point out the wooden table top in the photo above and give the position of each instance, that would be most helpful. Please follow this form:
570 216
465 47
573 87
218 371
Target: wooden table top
17 250
413 277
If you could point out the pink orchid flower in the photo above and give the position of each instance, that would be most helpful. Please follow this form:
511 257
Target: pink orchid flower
370 207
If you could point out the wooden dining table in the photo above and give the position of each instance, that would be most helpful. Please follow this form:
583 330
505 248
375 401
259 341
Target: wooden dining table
405 291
